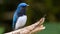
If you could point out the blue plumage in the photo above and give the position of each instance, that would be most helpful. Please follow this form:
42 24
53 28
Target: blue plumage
20 11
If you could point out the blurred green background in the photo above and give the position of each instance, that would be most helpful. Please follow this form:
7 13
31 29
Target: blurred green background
36 10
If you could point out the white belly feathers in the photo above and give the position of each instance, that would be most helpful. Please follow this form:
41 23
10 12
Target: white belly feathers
21 21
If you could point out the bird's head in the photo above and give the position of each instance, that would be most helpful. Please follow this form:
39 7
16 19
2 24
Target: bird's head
23 5
21 9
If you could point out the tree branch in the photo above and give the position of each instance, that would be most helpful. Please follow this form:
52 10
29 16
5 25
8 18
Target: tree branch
30 29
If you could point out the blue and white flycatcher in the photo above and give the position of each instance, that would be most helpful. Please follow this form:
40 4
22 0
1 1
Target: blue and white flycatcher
19 17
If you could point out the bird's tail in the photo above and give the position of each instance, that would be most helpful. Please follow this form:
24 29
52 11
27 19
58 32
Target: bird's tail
13 26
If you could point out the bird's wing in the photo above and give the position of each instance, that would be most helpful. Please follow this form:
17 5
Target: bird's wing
21 21
14 21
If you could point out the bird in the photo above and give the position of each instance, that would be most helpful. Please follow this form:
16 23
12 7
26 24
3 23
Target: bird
19 17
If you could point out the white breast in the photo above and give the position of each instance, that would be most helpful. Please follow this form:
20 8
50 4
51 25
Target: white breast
21 21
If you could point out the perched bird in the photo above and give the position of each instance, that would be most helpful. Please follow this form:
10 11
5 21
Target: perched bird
19 17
